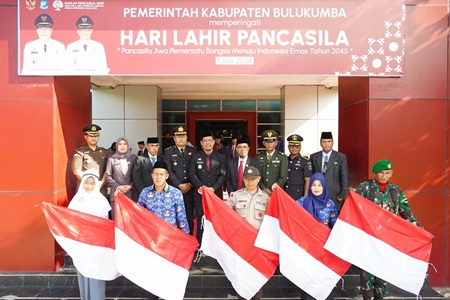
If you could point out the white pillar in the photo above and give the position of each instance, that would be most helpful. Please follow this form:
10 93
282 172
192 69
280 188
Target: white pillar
134 112
307 111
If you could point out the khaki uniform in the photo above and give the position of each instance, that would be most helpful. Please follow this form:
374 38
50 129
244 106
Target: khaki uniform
252 209
86 158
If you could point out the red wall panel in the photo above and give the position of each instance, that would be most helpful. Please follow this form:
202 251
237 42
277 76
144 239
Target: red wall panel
411 133
429 209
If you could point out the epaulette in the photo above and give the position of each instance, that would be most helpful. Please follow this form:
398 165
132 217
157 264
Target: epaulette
79 149
305 157
170 147
282 153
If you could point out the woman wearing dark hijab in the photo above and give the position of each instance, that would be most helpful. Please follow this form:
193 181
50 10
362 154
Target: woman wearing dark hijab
317 202
119 171
321 208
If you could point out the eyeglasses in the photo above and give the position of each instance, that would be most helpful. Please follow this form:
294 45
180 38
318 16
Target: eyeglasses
208 141
295 146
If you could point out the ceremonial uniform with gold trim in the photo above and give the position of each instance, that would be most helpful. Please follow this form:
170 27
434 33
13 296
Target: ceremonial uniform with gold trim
168 205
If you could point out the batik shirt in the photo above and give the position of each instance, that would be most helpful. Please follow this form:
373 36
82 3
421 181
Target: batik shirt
400 206
168 205
328 215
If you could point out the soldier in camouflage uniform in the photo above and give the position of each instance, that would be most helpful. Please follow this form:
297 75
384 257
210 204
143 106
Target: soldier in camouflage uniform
274 164
299 169
389 196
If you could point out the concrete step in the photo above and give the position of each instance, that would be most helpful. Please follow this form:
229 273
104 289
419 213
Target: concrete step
206 281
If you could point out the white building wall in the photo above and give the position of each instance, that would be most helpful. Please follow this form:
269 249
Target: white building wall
130 111
309 110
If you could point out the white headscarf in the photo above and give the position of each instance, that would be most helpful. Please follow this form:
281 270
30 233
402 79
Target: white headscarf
94 202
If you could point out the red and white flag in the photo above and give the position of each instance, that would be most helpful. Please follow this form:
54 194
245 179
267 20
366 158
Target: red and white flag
151 252
88 239
289 230
229 239
381 243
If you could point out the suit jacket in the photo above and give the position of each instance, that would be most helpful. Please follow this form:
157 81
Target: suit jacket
115 175
178 164
232 171
142 173
336 175
216 176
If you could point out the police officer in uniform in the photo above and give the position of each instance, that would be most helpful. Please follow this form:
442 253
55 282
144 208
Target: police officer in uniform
43 55
251 204
274 164
91 156
86 55
299 169
178 159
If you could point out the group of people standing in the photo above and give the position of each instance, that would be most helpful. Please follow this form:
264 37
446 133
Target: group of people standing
171 185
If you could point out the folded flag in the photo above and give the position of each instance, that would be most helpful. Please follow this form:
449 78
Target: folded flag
229 239
151 252
289 230
381 243
88 239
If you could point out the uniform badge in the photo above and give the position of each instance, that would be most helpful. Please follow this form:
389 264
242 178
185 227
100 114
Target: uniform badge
168 195
150 195
167 213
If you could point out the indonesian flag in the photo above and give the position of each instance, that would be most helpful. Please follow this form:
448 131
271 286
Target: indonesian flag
381 243
289 230
229 239
88 239
151 252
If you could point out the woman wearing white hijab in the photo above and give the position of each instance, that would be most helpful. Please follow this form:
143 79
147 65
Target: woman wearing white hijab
119 170
88 199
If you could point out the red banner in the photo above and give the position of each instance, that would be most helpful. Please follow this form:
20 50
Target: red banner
311 37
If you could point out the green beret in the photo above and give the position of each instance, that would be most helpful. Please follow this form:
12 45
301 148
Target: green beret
382 164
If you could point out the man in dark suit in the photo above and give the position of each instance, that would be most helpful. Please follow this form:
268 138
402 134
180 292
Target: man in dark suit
334 167
178 159
143 166
208 169
238 164
142 149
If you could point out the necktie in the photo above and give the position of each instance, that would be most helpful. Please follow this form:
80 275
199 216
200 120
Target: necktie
153 161
85 47
269 157
45 48
182 152
208 162
240 174
325 164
